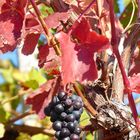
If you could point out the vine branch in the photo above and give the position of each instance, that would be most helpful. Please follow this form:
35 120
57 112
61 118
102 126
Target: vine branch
21 116
30 129
114 43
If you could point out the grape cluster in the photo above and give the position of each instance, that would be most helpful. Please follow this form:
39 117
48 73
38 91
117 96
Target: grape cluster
65 112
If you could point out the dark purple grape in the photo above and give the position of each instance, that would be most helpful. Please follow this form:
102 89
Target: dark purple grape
76 122
47 110
59 108
74 97
77 105
57 125
71 126
70 110
64 124
64 132
57 134
77 114
79 99
70 118
63 116
74 137
55 100
66 138
81 110
62 96
77 130
68 102
54 116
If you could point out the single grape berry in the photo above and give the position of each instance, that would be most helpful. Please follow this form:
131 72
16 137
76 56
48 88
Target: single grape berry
64 132
55 100
71 126
74 137
62 96
70 118
68 102
57 134
57 125
70 110
67 138
74 97
63 116
47 110
77 114
64 124
59 108
81 110
54 116
77 130
77 105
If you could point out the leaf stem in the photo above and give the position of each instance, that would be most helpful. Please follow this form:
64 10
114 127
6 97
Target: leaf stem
21 116
114 43
86 103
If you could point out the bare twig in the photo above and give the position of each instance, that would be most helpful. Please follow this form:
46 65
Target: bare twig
21 116
21 93
30 129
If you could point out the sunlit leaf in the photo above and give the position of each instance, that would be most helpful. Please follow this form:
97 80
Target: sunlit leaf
36 75
2 130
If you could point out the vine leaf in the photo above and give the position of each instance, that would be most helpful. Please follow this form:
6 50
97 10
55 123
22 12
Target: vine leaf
40 98
11 20
77 59
43 53
135 83
135 63
89 38
30 43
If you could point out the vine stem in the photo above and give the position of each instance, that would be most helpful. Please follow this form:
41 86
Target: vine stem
86 103
21 93
50 38
21 116
114 43
46 30
31 130
86 9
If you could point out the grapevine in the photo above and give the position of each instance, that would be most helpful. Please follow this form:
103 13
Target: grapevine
86 76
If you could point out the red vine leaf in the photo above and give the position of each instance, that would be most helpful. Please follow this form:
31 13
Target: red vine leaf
40 98
135 63
86 36
30 43
54 19
49 60
77 61
11 21
43 53
135 83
